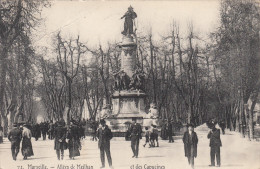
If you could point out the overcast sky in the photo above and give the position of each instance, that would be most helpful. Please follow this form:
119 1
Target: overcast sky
99 21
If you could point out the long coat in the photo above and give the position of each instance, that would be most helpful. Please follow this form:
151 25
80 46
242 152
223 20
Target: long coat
74 141
104 136
15 136
214 137
27 149
60 134
190 144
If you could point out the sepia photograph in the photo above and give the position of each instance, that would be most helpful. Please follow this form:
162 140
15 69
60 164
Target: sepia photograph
140 84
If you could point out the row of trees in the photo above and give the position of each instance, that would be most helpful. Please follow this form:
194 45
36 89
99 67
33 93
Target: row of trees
17 19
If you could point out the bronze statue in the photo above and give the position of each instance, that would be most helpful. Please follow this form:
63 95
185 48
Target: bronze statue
137 80
129 16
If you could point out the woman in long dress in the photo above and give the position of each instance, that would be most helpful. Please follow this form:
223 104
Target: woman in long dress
27 150
74 141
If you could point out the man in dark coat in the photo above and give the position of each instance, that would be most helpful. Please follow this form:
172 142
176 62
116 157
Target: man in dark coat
135 135
51 130
215 144
59 140
104 136
15 136
190 141
169 129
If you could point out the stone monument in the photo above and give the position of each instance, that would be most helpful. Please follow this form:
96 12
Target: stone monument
128 99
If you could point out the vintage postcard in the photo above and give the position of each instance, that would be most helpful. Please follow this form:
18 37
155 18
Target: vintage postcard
129 84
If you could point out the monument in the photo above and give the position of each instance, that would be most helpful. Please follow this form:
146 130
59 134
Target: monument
128 99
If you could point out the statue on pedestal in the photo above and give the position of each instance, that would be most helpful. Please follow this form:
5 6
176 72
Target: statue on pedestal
129 16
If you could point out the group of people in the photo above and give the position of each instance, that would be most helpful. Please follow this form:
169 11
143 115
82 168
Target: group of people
18 134
151 136
190 140
68 137
65 137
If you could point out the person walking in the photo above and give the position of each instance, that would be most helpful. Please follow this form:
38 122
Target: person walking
27 149
51 130
59 140
154 136
15 136
1 134
190 140
104 136
136 131
169 130
147 137
74 141
215 144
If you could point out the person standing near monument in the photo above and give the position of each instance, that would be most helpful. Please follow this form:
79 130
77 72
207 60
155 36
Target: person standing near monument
190 140
215 144
104 136
15 136
136 131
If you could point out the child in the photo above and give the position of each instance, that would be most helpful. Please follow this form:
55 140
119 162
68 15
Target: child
147 135
154 136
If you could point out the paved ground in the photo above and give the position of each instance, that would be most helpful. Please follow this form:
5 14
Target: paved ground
236 153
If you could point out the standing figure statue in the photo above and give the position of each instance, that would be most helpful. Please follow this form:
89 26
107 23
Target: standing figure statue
129 16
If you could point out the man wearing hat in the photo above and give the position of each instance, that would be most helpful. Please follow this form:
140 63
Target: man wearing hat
15 136
104 136
190 140
136 131
59 140
215 144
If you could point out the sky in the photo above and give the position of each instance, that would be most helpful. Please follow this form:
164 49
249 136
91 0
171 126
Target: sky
98 22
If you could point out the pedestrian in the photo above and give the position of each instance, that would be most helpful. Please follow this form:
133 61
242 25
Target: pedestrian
74 141
190 140
215 144
222 125
27 149
169 130
136 131
37 130
59 140
104 136
15 136
147 137
94 131
44 129
154 136
1 134
51 130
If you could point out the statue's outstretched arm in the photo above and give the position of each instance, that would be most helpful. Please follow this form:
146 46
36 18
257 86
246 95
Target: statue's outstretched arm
123 16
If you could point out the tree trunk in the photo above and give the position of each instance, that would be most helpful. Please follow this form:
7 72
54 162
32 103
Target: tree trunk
250 120
3 58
